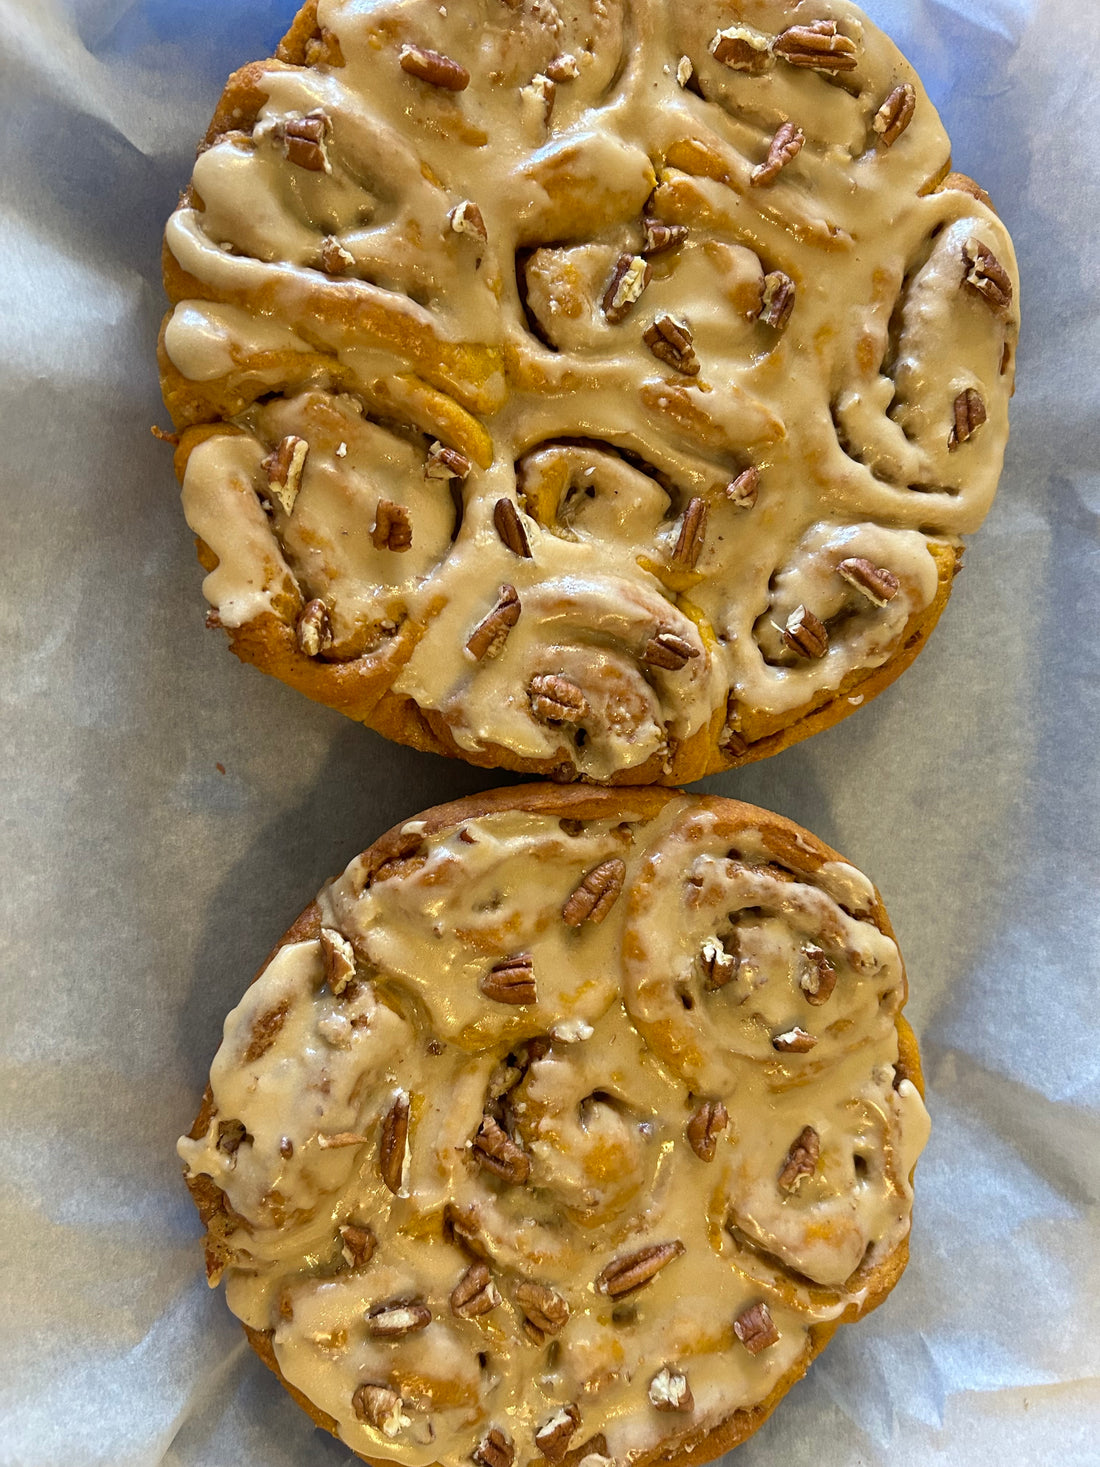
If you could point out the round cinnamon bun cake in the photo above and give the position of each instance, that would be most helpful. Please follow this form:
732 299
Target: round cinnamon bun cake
593 388
566 1126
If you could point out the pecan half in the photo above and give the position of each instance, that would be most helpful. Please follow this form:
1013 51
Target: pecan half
693 533
741 49
818 978
510 981
874 581
970 414
509 527
660 236
391 529
554 1435
396 1318
669 1391
467 218
543 1307
393 1142
806 635
475 1293
495 1150
719 966
819 46
358 1243
380 1407
494 1450
895 114
794 1041
628 279
671 341
335 259
631 1271
284 468
704 1128
986 275
489 636
435 68
314 630
596 894
338 958
755 1328
304 142
667 650
563 68
801 1160
784 147
743 490
556 700
445 463
778 300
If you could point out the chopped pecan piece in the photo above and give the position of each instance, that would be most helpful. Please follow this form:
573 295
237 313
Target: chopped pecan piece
785 146
509 527
794 1041
819 977
563 68
489 636
391 529
554 1435
741 49
358 1243
669 1391
543 1307
819 46
693 533
231 1136
433 67
380 1407
684 70
314 630
805 634
629 278
704 1127
539 95
511 981
494 1450
719 965
669 651
986 275
475 1293
743 490
631 1271
495 1150
733 742
755 1328
895 114
334 1140
778 300
801 1160
467 218
556 700
970 414
393 1142
284 470
338 957
596 894
671 341
874 581
286 1148
445 463
335 259
396 1318
304 142
660 236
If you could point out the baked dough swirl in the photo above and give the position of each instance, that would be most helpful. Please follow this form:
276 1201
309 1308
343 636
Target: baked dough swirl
596 388
565 1124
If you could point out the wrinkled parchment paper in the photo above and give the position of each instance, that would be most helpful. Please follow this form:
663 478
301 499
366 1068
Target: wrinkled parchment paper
142 884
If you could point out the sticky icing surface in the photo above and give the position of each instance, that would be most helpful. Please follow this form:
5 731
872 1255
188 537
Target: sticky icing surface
594 1081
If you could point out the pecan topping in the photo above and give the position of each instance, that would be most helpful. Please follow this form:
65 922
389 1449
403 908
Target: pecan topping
755 1328
495 1150
338 958
539 95
693 533
433 67
231 1136
445 463
314 630
393 1142
596 895
806 635
660 236
970 414
733 742
543 1307
563 68
494 1450
669 1391
554 1435
895 114
509 527
556 700
819 979
794 1041
671 341
743 490
629 278
489 636
719 966
467 218
741 49
511 981
819 46
380 1407
396 1318
704 1128
475 1293
284 470
338 1139
874 581
304 142
801 1160
358 1245
684 70
986 275
335 259
669 651
783 149
778 301
624 1275
391 529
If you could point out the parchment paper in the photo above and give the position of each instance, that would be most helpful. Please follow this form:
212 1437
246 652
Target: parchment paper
142 884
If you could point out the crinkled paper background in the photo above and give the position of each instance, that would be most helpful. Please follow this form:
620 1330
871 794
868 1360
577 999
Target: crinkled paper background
142 885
